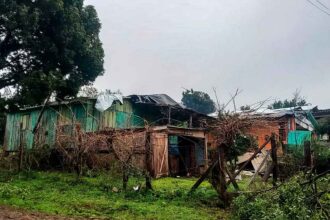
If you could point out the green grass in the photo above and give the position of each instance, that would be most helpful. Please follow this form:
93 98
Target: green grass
60 193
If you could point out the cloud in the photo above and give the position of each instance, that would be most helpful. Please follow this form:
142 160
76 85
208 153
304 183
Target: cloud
266 48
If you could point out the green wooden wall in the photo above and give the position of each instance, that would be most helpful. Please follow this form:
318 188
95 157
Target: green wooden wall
84 113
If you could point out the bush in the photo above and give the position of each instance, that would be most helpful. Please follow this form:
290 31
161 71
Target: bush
260 208
290 201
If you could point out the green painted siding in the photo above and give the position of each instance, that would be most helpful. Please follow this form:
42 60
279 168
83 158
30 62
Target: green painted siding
90 119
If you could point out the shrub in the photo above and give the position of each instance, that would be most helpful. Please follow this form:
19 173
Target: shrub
292 200
259 208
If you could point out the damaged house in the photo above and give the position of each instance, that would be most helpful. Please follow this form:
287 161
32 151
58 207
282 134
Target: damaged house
178 141
293 126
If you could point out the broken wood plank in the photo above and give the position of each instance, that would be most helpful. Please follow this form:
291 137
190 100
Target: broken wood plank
251 158
259 168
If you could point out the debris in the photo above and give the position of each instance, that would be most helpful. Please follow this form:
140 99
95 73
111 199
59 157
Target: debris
115 189
105 101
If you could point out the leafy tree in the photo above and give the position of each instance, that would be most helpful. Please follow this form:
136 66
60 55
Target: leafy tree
48 46
297 100
199 101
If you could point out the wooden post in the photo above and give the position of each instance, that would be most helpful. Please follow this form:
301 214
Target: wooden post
307 154
274 158
148 161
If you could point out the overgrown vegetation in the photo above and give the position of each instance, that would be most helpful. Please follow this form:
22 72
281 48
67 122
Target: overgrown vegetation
303 194
295 199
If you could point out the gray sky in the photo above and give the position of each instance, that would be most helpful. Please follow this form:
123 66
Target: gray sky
266 48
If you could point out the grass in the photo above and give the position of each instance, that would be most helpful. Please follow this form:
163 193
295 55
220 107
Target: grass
60 193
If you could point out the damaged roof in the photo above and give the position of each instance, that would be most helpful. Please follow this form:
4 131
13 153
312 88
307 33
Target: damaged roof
153 99
302 115
156 99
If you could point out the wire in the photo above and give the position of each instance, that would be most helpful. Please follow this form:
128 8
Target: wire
322 4
316 6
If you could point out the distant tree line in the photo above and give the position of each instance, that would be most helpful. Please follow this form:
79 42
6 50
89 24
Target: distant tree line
296 100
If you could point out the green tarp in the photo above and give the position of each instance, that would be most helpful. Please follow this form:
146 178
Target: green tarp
297 138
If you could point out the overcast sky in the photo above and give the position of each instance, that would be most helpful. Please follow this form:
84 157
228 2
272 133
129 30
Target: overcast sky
266 48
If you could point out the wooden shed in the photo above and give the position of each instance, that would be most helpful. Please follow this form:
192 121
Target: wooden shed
134 112
178 144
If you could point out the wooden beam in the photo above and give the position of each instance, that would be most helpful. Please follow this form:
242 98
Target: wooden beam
251 158
259 168
231 178
204 175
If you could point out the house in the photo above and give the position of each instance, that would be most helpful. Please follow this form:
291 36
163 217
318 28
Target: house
293 126
178 140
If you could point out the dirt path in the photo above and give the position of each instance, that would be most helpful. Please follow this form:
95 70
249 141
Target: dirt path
14 213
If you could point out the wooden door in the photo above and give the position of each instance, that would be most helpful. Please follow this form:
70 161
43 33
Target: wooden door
159 147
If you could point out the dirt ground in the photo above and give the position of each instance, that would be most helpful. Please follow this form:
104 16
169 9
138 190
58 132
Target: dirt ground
14 213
